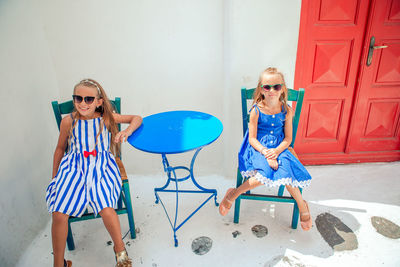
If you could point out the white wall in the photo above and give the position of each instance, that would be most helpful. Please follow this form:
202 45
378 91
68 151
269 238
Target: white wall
258 34
167 55
28 84
156 55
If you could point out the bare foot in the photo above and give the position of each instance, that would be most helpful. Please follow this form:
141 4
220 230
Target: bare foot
225 204
305 218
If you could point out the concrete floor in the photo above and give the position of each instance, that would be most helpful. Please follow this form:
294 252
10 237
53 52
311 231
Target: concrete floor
353 193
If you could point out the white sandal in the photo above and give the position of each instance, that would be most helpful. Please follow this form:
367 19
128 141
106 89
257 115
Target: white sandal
122 259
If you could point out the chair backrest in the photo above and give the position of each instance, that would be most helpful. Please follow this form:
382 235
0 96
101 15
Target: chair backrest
68 106
293 95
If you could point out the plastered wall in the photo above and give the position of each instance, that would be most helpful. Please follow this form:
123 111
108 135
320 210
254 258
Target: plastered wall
155 55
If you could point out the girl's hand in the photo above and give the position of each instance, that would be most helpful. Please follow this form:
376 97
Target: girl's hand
122 136
273 163
270 153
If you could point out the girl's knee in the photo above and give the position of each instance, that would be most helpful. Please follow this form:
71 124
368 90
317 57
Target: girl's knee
107 212
292 188
253 181
59 217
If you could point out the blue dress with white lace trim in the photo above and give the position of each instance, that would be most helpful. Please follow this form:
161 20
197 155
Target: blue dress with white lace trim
270 133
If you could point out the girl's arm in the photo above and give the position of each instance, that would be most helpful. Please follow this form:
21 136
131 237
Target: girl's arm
273 153
134 122
65 127
253 123
255 143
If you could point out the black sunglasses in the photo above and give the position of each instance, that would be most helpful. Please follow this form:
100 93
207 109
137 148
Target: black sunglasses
267 87
88 99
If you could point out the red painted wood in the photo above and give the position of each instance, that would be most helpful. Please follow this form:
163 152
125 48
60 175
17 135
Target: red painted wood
329 51
351 111
376 116
345 158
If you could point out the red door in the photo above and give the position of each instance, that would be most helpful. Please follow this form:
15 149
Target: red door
351 110
375 125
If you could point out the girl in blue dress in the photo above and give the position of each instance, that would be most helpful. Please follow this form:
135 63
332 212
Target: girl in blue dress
87 174
264 157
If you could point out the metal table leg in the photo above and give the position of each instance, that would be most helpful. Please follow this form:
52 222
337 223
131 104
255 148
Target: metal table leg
172 177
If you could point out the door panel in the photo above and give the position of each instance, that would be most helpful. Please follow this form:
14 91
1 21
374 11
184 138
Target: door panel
329 52
325 116
375 125
336 11
388 71
381 119
331 62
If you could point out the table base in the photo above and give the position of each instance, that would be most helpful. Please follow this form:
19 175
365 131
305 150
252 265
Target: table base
172 177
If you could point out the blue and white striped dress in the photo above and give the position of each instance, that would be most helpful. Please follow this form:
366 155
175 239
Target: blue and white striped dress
82 181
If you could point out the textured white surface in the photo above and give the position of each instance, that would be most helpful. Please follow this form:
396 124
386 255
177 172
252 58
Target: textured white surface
353 193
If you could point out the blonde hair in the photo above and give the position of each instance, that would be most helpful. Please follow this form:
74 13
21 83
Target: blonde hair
106 110
258 96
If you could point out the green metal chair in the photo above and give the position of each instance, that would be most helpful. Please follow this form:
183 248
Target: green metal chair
124 202
295 96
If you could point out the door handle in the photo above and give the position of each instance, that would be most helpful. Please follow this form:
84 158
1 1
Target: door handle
371 49
380 46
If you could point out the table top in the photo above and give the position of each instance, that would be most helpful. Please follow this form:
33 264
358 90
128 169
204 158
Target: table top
176 132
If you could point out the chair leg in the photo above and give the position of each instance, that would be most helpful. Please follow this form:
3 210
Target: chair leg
119 205
239 181
128 205
295 216
237 210
70 238
281 189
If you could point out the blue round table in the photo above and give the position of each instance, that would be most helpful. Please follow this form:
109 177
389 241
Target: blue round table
177 132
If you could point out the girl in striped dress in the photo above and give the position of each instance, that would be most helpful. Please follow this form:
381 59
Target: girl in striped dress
87 174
